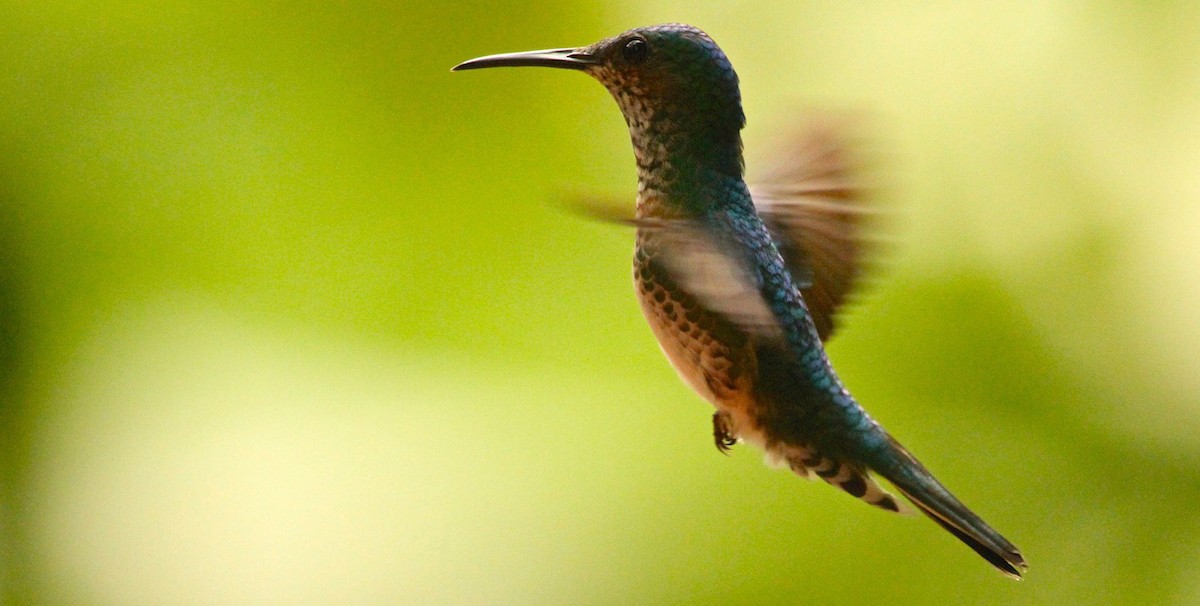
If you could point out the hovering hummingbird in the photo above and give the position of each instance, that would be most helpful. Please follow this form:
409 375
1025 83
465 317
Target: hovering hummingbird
740 289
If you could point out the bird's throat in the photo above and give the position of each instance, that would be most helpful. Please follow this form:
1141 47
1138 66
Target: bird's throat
682 166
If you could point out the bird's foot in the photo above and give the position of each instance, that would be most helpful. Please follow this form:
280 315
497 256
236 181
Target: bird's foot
721 433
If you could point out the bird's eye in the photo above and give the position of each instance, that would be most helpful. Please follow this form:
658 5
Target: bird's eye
635 50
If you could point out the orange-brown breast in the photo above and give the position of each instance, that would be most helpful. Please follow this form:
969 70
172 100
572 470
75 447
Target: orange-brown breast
711 355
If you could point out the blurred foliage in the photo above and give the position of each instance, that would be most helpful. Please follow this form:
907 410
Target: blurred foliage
289 313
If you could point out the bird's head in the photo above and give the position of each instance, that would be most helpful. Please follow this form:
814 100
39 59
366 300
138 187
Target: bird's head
672 82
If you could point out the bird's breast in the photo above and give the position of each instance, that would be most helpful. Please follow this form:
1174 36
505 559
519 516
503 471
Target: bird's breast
710 354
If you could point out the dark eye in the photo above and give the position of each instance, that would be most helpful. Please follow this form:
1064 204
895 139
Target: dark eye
635 50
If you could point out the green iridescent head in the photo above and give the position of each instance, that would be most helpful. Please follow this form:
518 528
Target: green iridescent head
673 83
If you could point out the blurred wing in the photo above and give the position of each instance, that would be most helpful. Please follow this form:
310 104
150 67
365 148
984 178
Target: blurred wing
611 209
704 264
813 202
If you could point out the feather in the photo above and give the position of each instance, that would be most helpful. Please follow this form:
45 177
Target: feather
815 204
814 201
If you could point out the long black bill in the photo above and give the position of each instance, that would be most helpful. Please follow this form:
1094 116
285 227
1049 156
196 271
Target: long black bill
566 58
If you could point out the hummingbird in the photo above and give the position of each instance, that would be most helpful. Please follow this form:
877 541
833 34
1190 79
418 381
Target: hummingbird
740 287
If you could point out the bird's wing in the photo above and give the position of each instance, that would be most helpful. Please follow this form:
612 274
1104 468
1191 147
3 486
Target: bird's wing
813 200
705 264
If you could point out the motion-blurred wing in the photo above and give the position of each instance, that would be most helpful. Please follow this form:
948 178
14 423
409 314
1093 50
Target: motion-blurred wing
812 200
706 265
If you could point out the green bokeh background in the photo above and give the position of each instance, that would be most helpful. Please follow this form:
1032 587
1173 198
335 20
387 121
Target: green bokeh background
291 314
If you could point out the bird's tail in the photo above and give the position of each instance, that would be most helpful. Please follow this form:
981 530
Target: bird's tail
919 486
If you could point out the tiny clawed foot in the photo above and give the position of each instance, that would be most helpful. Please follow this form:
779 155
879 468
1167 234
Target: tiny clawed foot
722 437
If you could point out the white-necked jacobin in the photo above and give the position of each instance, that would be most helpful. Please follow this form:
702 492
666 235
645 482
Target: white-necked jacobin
740 289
